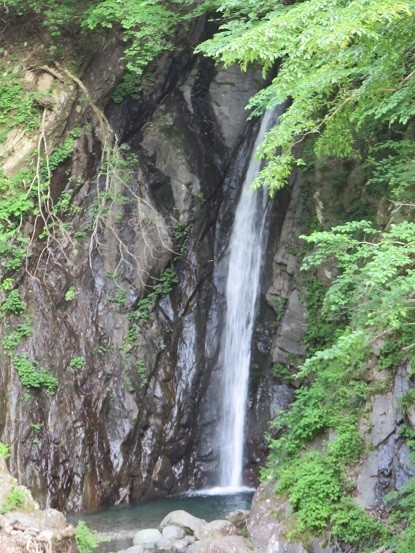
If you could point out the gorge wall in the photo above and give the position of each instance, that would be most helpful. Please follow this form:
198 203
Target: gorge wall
136 409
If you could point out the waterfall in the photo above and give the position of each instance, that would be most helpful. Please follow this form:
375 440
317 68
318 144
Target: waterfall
246 252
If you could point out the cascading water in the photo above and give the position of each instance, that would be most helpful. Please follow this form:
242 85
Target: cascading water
246 252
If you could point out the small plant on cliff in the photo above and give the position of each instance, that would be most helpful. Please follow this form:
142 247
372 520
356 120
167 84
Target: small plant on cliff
141 371
165 285
13 304
33 378
4 451
70 294
13 500
77 363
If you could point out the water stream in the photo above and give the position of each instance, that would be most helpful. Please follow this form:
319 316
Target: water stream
246 252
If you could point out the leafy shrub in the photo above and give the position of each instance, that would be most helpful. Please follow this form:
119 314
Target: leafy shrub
141 370
313 486
85 539
402 504
33 378
13 500
70 294
12 340
13 303
167 280
4 451
77 363
351 524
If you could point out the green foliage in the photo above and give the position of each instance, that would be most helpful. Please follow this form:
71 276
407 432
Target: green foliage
70 294
4 451
320 329
147 26
28 192
283 372
313 486
13 500
12 340
142 373
17 104
348 70
376 280
37 426
351 524
181 238
346 67
403 517
393 163
31 377
408 399
165 285
77 363
13 304
85 539
121 297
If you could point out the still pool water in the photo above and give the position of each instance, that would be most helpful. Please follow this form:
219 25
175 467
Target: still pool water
121 523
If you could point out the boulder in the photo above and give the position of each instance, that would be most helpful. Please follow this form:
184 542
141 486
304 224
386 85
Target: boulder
53 519
180 545
227 544
184 520
147 537
238 518
172 532
134 549
266 523
216 529
164 545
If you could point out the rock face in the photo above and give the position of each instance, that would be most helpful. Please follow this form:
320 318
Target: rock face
135 412
267 525
228 544
388 465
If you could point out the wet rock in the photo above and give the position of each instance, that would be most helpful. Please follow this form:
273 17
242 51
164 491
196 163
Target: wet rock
181 545
173 532
184 520
293 326
266 523
238 517
388 466
162 474
227 544
382 418
404 466
147 537
164 545
144 424
230 92
215 529
135 549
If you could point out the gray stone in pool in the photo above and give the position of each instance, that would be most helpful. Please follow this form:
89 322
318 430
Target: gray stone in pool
121 523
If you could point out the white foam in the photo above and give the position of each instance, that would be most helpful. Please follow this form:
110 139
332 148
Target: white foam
219 490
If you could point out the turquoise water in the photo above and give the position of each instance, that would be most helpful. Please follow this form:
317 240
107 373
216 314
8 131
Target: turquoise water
121 523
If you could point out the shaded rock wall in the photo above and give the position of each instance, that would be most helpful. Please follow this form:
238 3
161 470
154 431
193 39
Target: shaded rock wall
135 411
